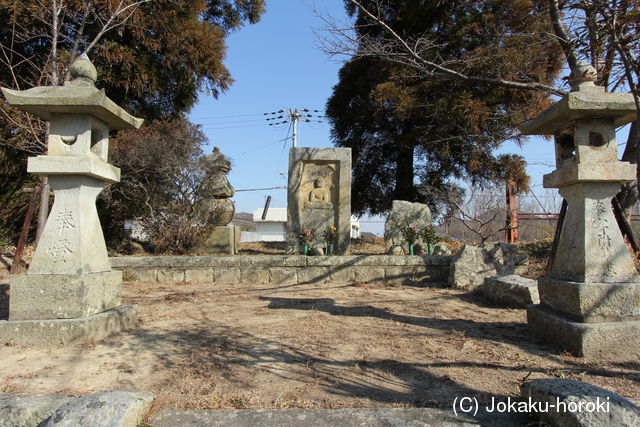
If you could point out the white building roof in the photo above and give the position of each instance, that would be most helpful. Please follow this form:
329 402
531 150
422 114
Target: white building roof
273 215
280 215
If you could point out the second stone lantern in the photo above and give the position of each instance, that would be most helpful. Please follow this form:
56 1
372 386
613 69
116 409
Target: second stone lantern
590 300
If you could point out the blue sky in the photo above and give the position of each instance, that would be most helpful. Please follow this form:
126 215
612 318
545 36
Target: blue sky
276 66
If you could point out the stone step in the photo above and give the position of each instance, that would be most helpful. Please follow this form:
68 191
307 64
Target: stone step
351 417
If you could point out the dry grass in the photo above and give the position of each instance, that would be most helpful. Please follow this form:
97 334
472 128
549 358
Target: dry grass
205 346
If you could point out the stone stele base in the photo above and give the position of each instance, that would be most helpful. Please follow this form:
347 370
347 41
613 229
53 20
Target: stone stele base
618 341
63 331
50 296
221 240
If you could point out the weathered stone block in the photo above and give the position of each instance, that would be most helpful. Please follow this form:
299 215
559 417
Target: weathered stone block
62 331
399 274
113 408
369 275
256 275
472 264
511 290
570 403
198 275
168 275
591 302
283 275
227 275
143 274
343 274
314 275
600 341
35 296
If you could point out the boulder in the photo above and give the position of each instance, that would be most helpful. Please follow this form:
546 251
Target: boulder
395 250
570 403
405 214
114 408
441 249
28 410
472 264
511 290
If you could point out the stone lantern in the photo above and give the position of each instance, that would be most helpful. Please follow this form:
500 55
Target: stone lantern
590 301
70 276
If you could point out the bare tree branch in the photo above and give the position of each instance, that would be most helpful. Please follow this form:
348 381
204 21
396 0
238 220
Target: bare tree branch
409 52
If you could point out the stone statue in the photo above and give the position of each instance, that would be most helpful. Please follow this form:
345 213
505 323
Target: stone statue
214 206
319 197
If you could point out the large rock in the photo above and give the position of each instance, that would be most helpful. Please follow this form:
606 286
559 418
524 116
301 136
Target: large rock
28 410
472 264
511 290
405 214
569 403
114 408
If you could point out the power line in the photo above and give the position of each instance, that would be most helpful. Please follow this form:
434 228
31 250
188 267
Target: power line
231 127
261 147
295 116
285 116
228 117
263 189
232 122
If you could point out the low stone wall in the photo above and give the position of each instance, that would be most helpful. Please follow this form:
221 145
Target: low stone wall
287 270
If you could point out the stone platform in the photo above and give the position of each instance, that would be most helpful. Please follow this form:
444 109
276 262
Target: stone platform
63 296
350 417
62 331
599 341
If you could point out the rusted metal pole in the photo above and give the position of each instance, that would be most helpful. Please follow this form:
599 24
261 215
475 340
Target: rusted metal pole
22 240
624 225
511 226
556 237
43 211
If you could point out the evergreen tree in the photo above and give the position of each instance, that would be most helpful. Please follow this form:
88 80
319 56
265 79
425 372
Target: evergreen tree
409 129
153 58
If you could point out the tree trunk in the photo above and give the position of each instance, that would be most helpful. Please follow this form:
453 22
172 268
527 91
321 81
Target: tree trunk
405 190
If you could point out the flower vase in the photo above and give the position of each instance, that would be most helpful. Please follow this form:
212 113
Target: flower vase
410 249
306 250
430 248
329 249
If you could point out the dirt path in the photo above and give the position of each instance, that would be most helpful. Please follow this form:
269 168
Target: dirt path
354 345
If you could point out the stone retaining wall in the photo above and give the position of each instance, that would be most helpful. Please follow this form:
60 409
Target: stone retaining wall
287 270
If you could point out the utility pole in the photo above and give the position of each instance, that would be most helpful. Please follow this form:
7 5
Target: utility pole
293 117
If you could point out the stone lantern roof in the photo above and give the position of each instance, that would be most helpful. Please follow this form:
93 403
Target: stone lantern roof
585 101
79 95
583 124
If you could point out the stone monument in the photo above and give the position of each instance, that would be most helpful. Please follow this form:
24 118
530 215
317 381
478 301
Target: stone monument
70 276
215 207
405 214
590 301
319 197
